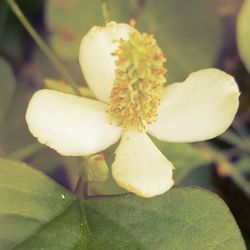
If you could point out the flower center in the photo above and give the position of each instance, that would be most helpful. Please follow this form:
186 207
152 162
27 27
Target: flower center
139 82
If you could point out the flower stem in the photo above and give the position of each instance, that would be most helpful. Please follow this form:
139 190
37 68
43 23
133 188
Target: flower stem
81 189
51 56
105 13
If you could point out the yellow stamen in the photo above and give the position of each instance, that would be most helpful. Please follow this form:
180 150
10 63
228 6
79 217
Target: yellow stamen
139 82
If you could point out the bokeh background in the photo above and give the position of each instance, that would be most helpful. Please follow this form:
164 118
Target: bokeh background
193 34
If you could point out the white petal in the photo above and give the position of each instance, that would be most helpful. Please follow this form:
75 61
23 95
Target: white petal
70 124
200 108
96 59
140 167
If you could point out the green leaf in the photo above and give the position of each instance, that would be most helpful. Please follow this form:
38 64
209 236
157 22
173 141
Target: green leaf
183 218
243 33
66 33
7 87
29 200
184 29
36 213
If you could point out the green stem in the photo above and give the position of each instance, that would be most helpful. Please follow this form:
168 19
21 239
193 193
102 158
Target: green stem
228 167
60 86
81 189
105 13
51 56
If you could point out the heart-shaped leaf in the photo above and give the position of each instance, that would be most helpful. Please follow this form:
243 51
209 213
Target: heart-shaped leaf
36 213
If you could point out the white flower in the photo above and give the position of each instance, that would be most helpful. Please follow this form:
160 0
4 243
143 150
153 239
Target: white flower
200 108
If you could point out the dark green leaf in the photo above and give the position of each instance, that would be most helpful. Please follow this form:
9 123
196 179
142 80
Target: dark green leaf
29 200
7 87
14 133
183 218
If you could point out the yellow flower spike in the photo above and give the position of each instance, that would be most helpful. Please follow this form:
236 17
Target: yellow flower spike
139 82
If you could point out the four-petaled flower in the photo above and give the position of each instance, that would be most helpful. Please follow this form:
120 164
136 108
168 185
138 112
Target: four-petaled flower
124 69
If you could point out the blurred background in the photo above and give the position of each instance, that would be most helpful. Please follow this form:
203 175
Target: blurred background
193 34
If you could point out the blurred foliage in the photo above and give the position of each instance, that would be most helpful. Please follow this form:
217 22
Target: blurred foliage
66 33
14 133
11 34
13 38
182 32
243 166
162 18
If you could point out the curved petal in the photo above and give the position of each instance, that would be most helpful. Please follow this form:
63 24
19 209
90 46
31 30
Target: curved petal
70 124
96 59
200 108
140 167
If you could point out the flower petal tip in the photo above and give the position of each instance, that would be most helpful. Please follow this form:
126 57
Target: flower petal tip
140 167
143 193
